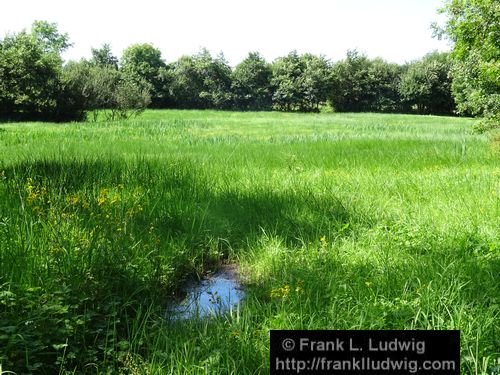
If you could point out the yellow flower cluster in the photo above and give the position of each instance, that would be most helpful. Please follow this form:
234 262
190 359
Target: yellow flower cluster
323 241
34 192
54 250
73 200
284 291
103 195
281 292
108 197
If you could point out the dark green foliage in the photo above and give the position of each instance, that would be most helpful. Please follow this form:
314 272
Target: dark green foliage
144 62
286 81
300 83
426 85
251 84
364 85
104 57
186 83
474 28
49 38
102 87
200 81
216 75
386 78
316 82
35 84
30 68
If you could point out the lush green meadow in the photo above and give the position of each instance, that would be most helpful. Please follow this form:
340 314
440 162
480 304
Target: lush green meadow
336 221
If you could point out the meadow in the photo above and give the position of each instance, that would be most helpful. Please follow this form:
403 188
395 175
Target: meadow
334 221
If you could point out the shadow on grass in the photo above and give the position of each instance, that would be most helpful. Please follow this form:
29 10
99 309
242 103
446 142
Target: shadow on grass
181 226
181 200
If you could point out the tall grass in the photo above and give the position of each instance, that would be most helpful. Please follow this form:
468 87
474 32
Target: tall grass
338 221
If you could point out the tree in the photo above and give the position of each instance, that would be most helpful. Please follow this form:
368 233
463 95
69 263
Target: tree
251 84
216 75
104 57
51 40
73 100
352 91
144 62
364 85
300 83
426 85
200 81
186 83
474 28
30 68
385 81
287 72
95 88
315 82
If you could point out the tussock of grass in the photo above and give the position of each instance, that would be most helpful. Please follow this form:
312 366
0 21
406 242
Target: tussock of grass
338 221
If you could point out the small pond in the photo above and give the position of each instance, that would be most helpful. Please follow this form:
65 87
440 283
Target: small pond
214 295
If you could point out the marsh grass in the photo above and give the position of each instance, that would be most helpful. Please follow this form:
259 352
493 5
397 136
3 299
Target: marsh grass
338 221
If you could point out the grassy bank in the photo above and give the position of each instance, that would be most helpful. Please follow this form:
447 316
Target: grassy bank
337 221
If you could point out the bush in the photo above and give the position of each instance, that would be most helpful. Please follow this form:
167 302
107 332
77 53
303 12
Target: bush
97 87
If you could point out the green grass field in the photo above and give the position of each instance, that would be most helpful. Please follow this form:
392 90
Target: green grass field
336 221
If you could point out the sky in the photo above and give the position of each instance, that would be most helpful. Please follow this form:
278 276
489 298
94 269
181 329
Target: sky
397 30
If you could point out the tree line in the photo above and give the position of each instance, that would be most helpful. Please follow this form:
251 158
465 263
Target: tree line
35 83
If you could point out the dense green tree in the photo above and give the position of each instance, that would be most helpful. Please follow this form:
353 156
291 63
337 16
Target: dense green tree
315 82
251 84
104 57
361 84
300 83
286 81
30 68
474 28
186 83
144 62
385 81
350 78
426 85
200 81
216 75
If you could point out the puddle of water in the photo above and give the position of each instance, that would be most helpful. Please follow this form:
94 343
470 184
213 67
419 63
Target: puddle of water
213 296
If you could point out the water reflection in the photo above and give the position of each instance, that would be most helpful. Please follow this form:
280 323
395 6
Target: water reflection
213 296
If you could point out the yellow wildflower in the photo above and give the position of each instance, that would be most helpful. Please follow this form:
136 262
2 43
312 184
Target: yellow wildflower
298 286
103 194
73 200
281 292
54 250
323 241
